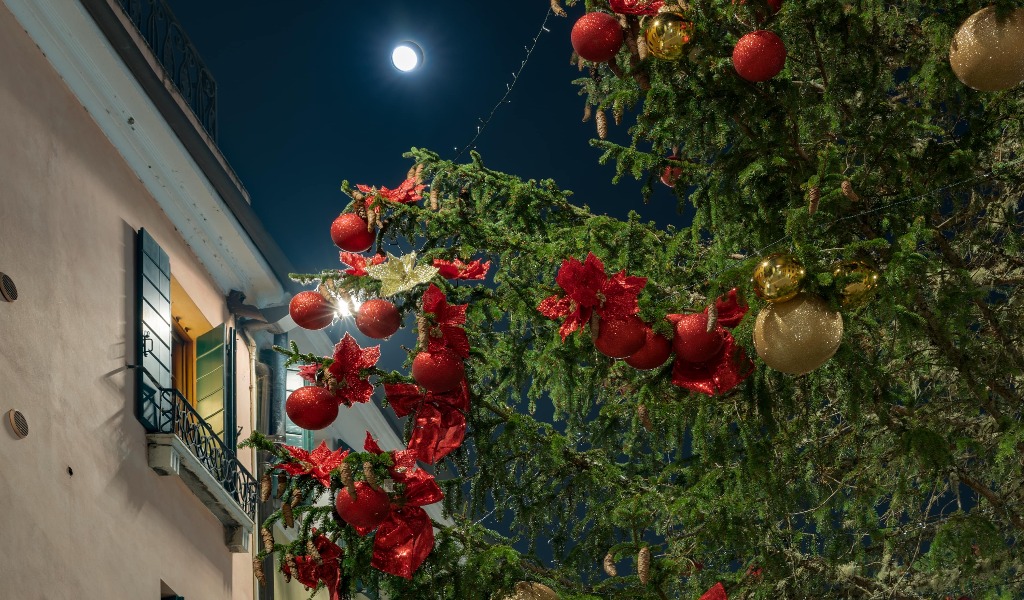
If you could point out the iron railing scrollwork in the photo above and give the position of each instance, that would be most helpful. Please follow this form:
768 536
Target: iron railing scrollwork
179 58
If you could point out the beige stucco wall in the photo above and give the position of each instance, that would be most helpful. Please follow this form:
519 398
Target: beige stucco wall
69 209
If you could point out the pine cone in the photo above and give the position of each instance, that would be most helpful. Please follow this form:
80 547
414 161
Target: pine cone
712 317
371 478
847 188
268 538
643 565
641 46
617 111
282 485
645 417
257 570
557 8
289 560
286 515
265 487
587 112
371 220
813 197
602 124
434 204
313 552
360 205
609 565
346 477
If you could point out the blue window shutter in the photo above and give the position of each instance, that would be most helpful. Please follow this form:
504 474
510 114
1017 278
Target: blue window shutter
215 381
153 340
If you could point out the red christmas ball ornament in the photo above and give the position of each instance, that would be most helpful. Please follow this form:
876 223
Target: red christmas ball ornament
310 310
775 5
759 55
438 372
619 337
693 343
312 407
378 319
670 174
652 354
367 510
349 233
597 36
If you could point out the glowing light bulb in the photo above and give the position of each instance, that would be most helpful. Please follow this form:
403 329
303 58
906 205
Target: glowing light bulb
407 56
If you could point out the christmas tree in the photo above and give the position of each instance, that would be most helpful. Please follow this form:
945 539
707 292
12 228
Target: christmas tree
813 390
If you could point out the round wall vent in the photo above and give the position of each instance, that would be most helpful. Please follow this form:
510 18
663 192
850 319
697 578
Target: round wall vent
18 423
7 288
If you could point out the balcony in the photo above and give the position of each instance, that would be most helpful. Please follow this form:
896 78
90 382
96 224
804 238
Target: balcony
182 444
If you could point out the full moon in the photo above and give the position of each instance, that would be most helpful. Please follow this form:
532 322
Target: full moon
406 56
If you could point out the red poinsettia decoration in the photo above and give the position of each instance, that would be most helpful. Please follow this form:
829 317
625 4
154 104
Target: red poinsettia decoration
456 269
729 367
406 537
308 372
319 463
349 381
408 191
730 310
445 322
358 262
715 592
310 573
440 425
588 289
636 7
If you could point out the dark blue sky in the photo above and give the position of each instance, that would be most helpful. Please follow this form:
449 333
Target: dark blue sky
307 97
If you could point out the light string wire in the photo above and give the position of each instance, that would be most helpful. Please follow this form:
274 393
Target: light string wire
508 87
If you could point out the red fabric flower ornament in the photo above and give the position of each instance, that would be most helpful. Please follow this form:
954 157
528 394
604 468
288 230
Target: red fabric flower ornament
328 570
319 463
715 592
587 290
408 191
350 384
636 7
446 321
308 372
730 311
358 263
406 537
456 269
440 425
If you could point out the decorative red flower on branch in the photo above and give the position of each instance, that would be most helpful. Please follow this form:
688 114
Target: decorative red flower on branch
445 322
588 289
715 592
348 378
636 7
310 573
308 372
408 191
358 262
440 425
730 311
456 269
319 463
716 376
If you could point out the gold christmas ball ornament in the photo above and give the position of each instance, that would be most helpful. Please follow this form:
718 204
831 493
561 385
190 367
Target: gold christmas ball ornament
856 281
797 336
778 277
667 35
988 55
527 590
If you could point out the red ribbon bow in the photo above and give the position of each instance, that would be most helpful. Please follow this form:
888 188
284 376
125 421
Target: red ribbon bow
448 320
310 573
456 269
358 263
351 384
588 289
439 426
727 369
636 7
319 463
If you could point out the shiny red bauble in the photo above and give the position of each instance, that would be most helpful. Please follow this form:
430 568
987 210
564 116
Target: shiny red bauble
670 174
310 310
312 407
438 372
693 343
597 36
759 55
378 319
618 337
367 510
349 233
652 354
775 5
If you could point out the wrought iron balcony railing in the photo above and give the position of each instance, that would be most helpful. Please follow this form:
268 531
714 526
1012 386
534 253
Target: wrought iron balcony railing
177 55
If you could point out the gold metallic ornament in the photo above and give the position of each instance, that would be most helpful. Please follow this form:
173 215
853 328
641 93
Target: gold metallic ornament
667 35
532 591
797 336
856 281
988 55
778 277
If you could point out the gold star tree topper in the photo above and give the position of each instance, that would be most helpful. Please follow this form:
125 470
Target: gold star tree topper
399 275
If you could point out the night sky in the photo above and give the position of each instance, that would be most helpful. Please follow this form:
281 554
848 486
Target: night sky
307 97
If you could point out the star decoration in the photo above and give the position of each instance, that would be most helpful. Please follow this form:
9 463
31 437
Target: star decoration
456 269
399 275
358 262
319 463
351 384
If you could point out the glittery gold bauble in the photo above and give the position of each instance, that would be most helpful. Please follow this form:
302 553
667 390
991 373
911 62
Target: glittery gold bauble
797 336
858 280
668 33
988 55
532 591
777 278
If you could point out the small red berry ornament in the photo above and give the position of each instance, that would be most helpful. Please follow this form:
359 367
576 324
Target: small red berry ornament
759 55
438 372
652 354
597 36
378 319
312 407
310 310
349 233
619 337
693 343
367 510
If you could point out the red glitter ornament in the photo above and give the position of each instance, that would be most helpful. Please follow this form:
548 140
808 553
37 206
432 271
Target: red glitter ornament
349 233
619 337
310 310
378 319
652 354
759 55
670 174
367 510
438 372
693 343
597 36
312 407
